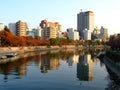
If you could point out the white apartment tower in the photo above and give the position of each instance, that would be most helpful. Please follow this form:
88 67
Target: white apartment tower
86 34
73 34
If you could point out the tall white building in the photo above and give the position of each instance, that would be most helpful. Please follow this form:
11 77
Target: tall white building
2 26
38 32
60 35
12 27
85 20
86 34
73 34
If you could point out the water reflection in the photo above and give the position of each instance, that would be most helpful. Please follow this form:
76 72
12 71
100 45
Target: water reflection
51 61
85 68
17 68
81 62
72 60
49 64
114 84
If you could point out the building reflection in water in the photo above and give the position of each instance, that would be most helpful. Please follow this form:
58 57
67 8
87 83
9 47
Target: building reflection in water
72 59
51 61
49 64
17 68
85 68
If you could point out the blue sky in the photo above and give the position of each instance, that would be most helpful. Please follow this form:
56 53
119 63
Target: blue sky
106 12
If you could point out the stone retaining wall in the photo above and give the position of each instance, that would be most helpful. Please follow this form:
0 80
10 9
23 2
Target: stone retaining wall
31 48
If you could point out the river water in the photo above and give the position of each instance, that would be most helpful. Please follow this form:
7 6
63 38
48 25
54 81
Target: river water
55 70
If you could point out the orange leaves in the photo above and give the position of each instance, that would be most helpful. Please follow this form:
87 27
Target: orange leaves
8 39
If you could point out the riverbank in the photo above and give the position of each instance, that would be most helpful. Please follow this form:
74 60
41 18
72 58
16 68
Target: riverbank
110 63
22 55
115 67
39 49
30 51
4 50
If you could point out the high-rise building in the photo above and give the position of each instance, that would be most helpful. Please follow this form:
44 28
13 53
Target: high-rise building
96 34
60 34
12 27
85 20
104 33
50 32
50 29
37 32
30 32
96 31
73 34
100 34
86 34
21 28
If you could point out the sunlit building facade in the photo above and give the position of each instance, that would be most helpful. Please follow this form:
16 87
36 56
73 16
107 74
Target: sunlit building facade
73 34
50 29
100 34
2 26
86 34
21 28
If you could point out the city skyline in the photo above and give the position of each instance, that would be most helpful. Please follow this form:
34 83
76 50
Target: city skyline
61 11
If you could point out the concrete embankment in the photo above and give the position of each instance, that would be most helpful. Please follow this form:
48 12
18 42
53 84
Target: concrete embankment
4 50
22 55
25 51
113 66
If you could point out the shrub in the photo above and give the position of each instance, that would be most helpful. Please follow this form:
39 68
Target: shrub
113 55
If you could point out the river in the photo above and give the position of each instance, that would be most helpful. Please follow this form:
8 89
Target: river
56 70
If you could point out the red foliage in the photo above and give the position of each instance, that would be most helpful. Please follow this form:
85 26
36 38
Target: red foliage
8 39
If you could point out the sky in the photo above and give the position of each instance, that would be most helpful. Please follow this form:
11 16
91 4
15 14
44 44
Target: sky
107 13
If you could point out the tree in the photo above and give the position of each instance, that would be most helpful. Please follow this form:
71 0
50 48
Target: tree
53 41
22 41
6 29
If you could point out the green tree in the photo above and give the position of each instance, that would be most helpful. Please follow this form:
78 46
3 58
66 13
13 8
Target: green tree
53 41
6 29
